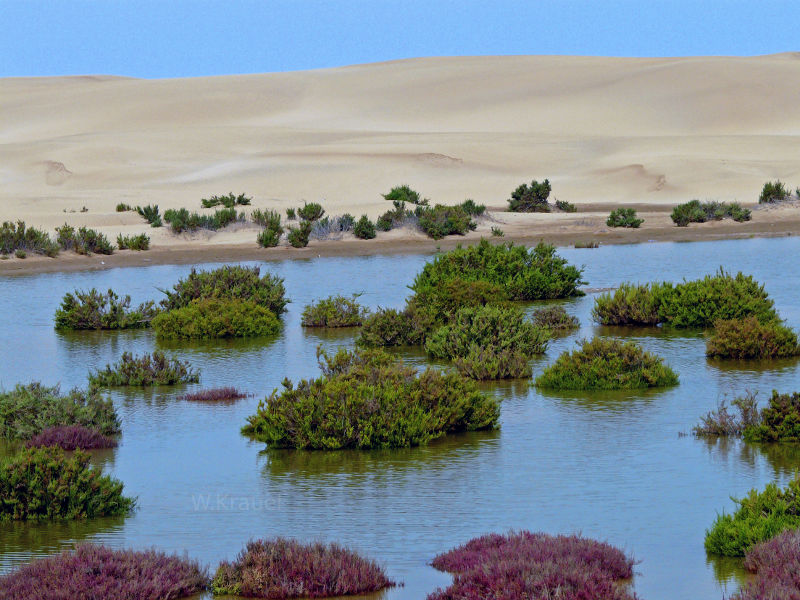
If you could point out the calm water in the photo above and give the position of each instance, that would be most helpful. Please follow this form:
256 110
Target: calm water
611 466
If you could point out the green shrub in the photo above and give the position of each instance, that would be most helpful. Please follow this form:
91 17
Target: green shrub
391 327
20 253
367 399
182 220
18 236
228 283
588 244
346 222
759 517
27 410
555 318
83 241
291 214
155 369
749 338
122 207
216 318
440 303
403 193
336 311
298 236
777 422
530 198
228 201
150 214
269 238
396 217
696 303
607 364
133 242
497 232
700 212
564 206
721 422
364 229
40 484
269 219
311 211
484 364
439 221
773 191
623 217
95 310
471 208
536 274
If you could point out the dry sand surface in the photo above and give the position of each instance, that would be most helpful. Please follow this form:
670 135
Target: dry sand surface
605 131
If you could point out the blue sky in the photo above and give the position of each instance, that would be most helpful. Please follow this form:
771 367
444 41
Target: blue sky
180 38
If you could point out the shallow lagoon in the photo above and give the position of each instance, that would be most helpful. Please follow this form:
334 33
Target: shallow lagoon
609 465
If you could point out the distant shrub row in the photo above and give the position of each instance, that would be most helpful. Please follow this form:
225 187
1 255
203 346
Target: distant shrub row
19 239
700 212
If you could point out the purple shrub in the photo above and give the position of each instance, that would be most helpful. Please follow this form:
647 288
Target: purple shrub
534 565
283 568
90 572
71 437
215 395
776 564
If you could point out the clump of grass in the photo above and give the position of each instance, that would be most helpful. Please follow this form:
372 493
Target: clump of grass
83 241
700 212
228 201
19 237
530 198
587 244
696 303
776 564
230 282
750 338
223 394
71 437
282 569
497 232
90 572
311 211
269 219
133 242
473 209
269 238
403 193
41 484
150 214
20 253
95 310
440 221
367 399
145 370
759 517
216 318
556 319
335 311
182 220
774 191
607 364
624 217
28 410
291 214
534 565
299 236
364 229
564 206
122 207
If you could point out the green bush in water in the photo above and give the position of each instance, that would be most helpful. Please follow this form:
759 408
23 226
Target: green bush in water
442 302
484 364
759 517
607 364
216 318
95 310
42 484
27 410
750 338
367 399
335 311
155 369
231 282
392 327
556 319
779 421
535 274
624 217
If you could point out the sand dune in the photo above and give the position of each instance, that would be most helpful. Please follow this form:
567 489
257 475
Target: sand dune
612 130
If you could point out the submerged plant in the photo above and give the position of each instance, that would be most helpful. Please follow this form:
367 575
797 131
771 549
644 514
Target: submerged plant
335 311
224 394
155 369
95 310
71 437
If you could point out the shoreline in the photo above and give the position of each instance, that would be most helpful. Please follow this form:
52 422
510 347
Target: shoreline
525 228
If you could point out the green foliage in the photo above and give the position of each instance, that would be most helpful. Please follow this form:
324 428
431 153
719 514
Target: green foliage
364 229
700 212
18 236
395 217
40 484
20 253
366 399
155 369
95 310
623 217
567 207
150 214
721 422
555 318
182 220
291 214
83 241
403 193
228 201
524 274
471 208
298 236
391 327
497 232
269 219
216 318
777 422
750 338
269 238
439 221
759 517
133 242
530 198
311 211
696 303
335 311
773 191
484 364
607 364
27 410
231 282
122 207
589 244
346 222
440 303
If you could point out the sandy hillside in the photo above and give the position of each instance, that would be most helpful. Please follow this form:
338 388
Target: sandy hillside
604 130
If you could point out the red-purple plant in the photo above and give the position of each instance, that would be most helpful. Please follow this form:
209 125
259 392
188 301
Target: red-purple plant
534 565
215 395
71 437
283 568
90 572
776 564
